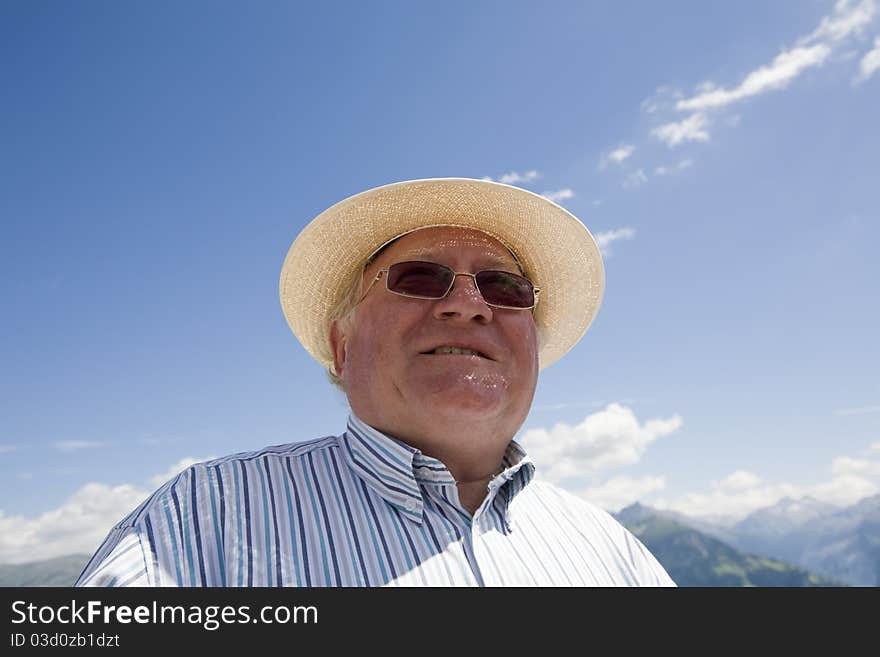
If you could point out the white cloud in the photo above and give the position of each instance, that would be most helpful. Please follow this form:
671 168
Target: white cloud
739 480
844 490
635 179
857 411
742 492
606 439
848 18
846 465
175 469
729 504
675 168
558 195
693 128
77 526
617 156
619 492
604 239
785 67
73 445
663 99
513 177
870 63
875 447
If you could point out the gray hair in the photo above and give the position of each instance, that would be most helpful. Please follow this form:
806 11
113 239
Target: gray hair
343 313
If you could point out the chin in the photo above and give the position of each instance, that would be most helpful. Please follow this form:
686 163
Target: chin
467 396
465 405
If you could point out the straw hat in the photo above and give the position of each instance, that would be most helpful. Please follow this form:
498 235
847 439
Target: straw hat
557 253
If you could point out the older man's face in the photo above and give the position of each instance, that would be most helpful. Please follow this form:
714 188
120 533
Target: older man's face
393 377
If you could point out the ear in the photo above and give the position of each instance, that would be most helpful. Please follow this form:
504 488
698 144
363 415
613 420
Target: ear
338 344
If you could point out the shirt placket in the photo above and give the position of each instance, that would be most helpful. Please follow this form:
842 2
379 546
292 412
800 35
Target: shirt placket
484 522
469 530
471 547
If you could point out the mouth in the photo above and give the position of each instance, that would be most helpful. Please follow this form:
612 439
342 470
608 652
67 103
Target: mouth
455 351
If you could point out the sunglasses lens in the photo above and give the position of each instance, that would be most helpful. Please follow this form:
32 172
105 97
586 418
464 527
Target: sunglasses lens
430 280
501 288
419 279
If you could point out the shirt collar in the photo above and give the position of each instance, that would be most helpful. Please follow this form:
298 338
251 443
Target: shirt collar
395 470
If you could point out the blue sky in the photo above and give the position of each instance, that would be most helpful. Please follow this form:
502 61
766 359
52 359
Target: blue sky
159 159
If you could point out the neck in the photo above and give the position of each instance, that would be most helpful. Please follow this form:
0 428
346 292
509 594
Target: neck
473 455
471 493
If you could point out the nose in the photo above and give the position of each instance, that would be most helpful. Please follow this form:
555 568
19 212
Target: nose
464 302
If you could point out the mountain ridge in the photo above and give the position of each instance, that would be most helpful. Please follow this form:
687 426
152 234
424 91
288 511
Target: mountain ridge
693 558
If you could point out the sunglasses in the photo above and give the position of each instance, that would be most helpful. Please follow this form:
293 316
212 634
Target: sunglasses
429 280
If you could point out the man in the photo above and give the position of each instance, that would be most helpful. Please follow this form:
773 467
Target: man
433 304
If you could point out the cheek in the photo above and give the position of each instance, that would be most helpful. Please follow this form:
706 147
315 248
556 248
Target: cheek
366 356
374 347
524 337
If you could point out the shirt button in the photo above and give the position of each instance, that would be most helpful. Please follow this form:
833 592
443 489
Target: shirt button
411 504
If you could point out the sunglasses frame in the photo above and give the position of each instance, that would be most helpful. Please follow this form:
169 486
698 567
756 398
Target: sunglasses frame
535 290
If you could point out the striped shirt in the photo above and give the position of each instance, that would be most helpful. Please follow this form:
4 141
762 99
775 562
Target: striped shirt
364 509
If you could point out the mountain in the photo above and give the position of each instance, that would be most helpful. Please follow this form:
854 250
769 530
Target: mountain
693 558
839 543
775 530
845 544
61 571
714 529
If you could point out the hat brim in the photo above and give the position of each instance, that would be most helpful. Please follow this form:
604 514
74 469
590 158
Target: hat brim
557 252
